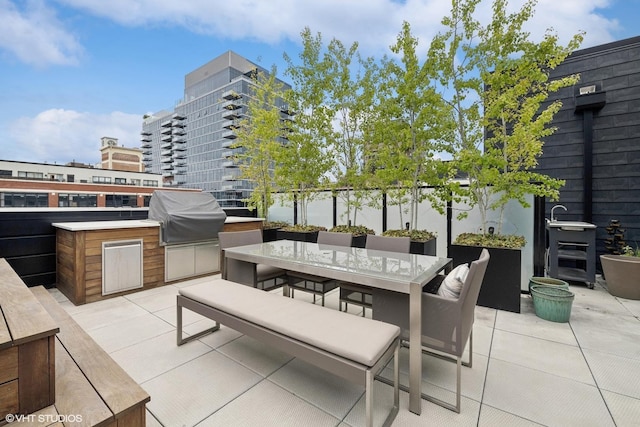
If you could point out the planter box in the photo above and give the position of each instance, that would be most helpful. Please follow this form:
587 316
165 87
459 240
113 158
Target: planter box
359 241
501 285
300 236
621 274
269 234
423 248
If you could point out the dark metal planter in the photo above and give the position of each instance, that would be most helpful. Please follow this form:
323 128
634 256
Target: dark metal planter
501 285
269 234
359 241
300 236
423 248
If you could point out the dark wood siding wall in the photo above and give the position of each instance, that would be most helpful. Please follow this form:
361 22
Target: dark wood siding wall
615 69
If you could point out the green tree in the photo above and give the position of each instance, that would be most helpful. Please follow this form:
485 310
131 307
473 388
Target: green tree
497 80
303 164
411 128
259 138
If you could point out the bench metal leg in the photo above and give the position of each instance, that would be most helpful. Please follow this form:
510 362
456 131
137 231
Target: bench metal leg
195 336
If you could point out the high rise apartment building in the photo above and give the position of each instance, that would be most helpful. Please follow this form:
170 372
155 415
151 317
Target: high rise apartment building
192 146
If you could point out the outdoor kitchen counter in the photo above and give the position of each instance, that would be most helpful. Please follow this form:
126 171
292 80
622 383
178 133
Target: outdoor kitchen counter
96 260
230 224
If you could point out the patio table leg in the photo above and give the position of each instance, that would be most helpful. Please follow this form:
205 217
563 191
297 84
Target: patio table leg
415 347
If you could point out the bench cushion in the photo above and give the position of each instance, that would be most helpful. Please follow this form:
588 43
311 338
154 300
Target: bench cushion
355 338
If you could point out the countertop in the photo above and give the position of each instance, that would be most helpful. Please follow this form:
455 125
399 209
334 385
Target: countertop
134 223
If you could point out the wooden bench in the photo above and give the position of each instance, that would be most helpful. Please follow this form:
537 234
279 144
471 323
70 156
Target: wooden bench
352 347
89 383
27 348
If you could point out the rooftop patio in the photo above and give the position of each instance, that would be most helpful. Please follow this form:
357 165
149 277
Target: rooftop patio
526 371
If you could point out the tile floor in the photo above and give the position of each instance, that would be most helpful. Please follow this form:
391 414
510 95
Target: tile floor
526 371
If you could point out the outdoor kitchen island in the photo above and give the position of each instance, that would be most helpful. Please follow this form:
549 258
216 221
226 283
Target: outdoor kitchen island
96 260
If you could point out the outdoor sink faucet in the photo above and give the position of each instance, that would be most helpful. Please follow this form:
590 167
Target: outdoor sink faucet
553 219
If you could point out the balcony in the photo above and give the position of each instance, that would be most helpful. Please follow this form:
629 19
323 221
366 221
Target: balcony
146 145
166 159
178 124
229 134
227 144
145 133
166 145
146 138
166 131
231 94
179 155
166 153
232 105
231 114
166 138
229 164
227 154
179 147
179 117
233 124
179 163
147 152
167 167
167 174
178 131
166 123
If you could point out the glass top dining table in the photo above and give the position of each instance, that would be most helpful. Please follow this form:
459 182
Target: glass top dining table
392 271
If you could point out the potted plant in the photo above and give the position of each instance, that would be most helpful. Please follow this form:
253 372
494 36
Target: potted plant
423 242
622 273
299 232
359 233
270 230
497 79
501 285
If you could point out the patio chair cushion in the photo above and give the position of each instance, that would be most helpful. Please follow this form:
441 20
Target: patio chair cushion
308 323
452 284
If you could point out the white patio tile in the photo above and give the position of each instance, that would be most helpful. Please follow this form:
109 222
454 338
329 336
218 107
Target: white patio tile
215 339
169 315
548 356
328 392
161 298
255 355
614 373
607 333
191 392
527 323
129 332
625 409
492 417
544 398
268 405
107 312
150 358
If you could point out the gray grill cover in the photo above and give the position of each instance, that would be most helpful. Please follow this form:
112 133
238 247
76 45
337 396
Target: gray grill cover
186 216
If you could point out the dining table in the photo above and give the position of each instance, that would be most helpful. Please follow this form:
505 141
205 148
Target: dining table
391 271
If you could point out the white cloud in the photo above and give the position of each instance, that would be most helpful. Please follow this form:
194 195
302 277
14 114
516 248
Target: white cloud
61 136
373 23
35 35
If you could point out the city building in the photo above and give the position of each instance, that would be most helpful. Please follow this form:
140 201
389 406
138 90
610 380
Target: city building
120 157
25 184
191 147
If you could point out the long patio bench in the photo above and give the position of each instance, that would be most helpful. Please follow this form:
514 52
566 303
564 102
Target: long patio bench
91 388
352 347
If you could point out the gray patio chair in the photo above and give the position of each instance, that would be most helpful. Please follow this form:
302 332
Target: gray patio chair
315 284
261 273
447 323
351 293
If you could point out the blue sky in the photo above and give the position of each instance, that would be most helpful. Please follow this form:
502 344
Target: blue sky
72 71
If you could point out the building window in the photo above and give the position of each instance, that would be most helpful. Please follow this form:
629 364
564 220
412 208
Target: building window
146 200
77 200
149 183
122 181
24 200
30 175
135 182
5 174
101 180
120 200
